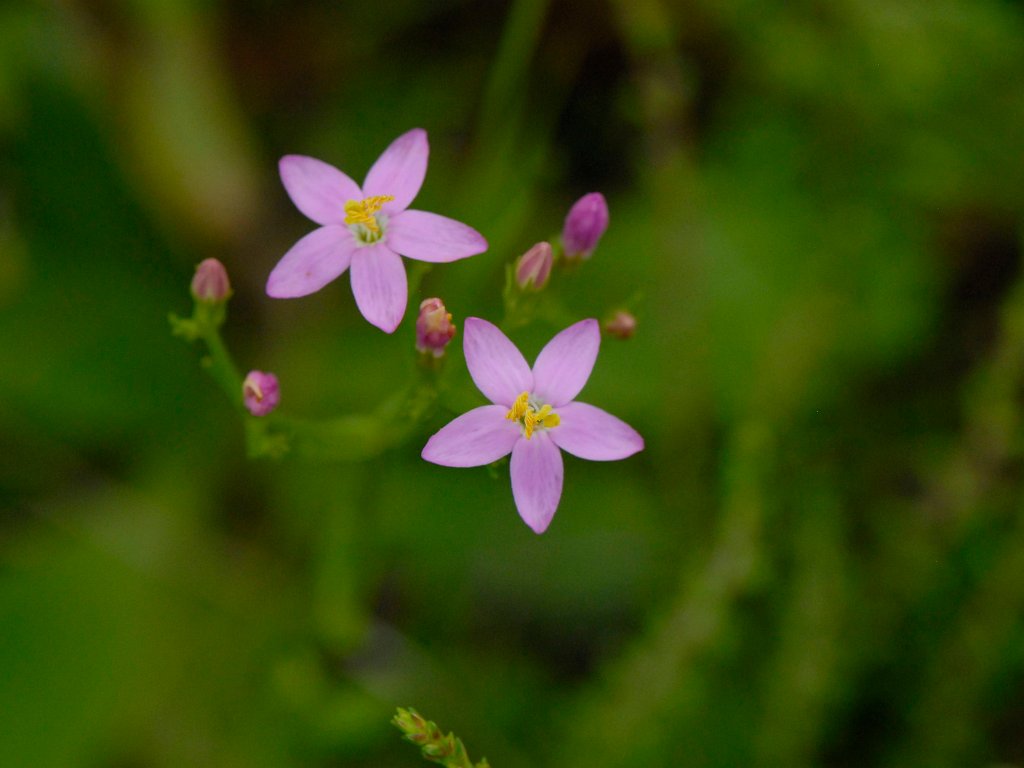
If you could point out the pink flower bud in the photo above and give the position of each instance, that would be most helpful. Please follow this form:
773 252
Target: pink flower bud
434 327
621 325
260 393
534 267
210 282
585 223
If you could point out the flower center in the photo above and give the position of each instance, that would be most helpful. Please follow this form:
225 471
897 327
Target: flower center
531 415
250 387
362 218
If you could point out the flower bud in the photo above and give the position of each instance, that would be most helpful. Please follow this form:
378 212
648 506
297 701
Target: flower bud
210 282
416 728
434 327
585 223
260 393
621 325
534 267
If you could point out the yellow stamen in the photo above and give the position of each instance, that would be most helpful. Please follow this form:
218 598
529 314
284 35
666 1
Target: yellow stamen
362 211
530 418
529 422
519 407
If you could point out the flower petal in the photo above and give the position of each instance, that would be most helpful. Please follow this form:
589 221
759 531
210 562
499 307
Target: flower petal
565 363
590 433
379 285
475 438
312 263
431 237
318 189
536 480
499 370
399 171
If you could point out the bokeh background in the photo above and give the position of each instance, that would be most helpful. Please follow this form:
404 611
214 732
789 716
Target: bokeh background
816 216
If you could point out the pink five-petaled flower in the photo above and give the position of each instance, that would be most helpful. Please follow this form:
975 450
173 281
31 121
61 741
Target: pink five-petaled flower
367 228
533 415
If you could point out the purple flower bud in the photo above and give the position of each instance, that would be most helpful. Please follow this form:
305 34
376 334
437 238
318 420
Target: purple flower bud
260 393
586 222
434 327
621 325
210 282
534 267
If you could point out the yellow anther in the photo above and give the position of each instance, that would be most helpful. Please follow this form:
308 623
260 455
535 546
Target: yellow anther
519 407
546 417
529 422
531 418
362 211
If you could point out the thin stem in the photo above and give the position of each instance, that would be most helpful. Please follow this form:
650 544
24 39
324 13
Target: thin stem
221 367
353 437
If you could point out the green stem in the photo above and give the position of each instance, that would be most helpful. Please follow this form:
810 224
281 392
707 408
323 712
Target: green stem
353 437
221 367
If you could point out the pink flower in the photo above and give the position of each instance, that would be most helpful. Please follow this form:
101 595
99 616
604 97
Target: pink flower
367 228
533 415
260 393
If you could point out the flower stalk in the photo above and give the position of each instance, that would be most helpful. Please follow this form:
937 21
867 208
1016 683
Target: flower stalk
211 292
353 437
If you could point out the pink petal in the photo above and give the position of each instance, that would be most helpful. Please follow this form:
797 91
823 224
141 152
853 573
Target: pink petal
430 237
499 370
400 170
319 190
379 285
565 363
312 263
475 438
536 480
590 433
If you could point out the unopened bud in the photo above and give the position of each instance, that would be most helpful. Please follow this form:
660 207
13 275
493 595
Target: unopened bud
585 223
260 393
415 727
210 282
621 325
534 267
434 327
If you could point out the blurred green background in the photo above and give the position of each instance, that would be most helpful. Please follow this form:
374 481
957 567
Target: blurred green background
816 215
